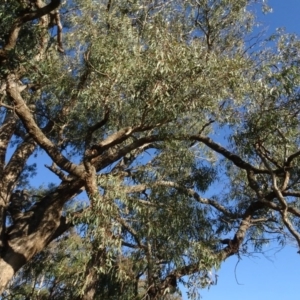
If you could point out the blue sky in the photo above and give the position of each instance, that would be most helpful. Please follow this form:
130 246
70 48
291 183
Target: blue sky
277 276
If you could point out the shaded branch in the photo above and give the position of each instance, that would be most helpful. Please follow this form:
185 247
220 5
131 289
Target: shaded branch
254 184
59 31
262 151
6 132
291 158
93 128
106 159
126 161
33 129
26 17
64 226
132 232
291 193
16 164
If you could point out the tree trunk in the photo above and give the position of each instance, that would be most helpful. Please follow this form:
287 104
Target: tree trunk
9 265
6 274
98 257
27 237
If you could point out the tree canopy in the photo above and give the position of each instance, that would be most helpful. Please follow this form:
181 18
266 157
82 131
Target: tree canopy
173 131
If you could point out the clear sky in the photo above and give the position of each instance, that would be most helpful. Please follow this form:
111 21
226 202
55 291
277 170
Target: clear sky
278 276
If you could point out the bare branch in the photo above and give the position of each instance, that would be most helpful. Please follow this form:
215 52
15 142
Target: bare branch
262 151
6 106
261 220
125 162
61 175
274 206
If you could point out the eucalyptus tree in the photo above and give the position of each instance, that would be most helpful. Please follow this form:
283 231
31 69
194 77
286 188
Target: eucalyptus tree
129 99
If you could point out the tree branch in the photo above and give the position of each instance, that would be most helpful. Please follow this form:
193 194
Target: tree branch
233 245
16 165
189 192
118 137
26 117
227 154
132 232
6 132
106 159
284 209
61 175
29 16
291 158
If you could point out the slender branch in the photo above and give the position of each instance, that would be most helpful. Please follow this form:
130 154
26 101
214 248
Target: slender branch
254 184
284 209
70 104
227 154
26 117
132 232
6 106
119 137
59 31
189 192
95 127
91 183
129 245
233 245
107 159
262 151
285 217
125 162
291 158
64 226
261 220
291 193
61 175
274 206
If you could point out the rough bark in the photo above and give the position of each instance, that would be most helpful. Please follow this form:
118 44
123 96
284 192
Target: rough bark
7 272
34 230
